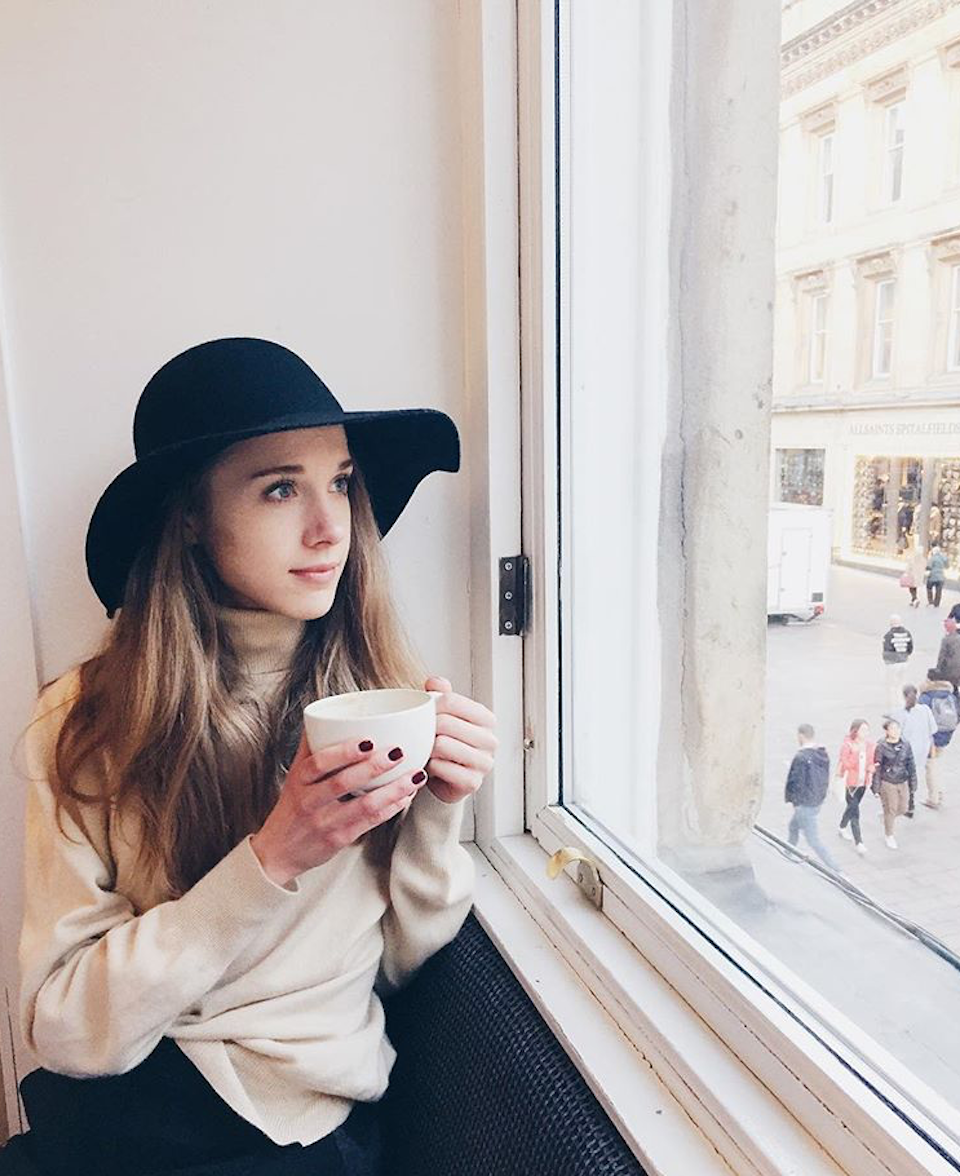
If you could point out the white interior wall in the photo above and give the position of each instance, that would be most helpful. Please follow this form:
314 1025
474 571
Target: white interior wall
172 172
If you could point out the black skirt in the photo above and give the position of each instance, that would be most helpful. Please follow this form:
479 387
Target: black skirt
163 1118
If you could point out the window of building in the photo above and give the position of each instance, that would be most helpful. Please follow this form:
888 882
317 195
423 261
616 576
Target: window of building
818 338
825 175
799 476
953 346
893 142
883 327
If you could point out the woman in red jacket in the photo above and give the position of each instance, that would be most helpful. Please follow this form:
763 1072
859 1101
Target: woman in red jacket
855 765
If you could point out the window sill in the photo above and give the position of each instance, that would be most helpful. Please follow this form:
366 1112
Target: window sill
679 1096
746 1080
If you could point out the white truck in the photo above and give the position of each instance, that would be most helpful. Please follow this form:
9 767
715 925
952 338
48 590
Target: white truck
798 560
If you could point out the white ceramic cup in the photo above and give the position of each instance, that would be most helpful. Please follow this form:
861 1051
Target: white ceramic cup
391 718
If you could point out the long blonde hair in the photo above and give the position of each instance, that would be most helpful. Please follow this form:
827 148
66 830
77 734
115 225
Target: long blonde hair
158 717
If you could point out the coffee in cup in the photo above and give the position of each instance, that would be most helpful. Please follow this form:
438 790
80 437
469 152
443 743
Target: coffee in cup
403 718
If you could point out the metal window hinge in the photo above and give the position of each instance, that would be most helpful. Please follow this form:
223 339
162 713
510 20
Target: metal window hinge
588 876
514 593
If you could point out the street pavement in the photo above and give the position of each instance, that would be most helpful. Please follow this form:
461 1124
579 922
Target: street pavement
873 986
829 672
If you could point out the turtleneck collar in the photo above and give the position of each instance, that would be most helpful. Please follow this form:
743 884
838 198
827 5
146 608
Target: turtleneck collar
264 641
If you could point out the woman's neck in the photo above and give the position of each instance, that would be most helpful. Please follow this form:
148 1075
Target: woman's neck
264 642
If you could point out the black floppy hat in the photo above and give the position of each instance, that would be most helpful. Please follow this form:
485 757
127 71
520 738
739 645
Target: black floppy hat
211 396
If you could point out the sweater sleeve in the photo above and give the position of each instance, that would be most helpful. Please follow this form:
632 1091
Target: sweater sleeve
431 889
99 984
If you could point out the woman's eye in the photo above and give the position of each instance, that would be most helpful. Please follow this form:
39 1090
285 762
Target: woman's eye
342 483
280 491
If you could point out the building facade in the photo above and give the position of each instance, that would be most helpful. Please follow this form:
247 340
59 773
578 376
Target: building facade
866 408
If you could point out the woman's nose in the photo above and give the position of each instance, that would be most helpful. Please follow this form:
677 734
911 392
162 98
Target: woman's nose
324 527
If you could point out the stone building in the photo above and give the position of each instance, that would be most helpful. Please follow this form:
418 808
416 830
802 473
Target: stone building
867 316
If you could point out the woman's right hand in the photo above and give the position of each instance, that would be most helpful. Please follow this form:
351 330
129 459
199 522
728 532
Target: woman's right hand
311 821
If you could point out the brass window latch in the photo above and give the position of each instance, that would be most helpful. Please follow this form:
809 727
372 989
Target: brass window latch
588 876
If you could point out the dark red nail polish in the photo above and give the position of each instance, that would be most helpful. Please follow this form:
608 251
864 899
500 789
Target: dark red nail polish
395 754
418 777
366 745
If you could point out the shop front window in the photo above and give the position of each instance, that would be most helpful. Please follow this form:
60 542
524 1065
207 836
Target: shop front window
887 500
943 529
800 476
892 512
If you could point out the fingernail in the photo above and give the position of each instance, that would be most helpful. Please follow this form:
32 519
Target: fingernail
366 745
395 754
418 777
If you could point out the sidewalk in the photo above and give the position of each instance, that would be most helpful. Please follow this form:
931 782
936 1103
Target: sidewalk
830 672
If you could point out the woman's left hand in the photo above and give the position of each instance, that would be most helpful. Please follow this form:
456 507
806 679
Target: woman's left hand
464 747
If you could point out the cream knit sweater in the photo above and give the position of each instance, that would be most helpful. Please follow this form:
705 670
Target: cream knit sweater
269 991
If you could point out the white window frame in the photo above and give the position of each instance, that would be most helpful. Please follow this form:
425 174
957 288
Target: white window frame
878 341
953 339
894 125
825 176
768 1098
817 353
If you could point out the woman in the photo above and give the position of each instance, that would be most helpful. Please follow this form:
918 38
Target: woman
855 768
209 919
936 574
895 778
913 573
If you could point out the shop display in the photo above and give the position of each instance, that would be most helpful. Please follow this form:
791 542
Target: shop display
870 490
944 529
891 513
800 476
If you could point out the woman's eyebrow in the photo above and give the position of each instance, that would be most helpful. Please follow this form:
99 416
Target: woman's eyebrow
294 469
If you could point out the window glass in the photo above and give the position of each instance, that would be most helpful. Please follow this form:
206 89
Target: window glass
844 896
818 338
826 178
883 327
894 155
953 350
800 476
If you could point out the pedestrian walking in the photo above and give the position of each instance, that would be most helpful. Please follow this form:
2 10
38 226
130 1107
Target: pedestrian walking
913 573
897 647
939 695
807 784
948 659
855 766
936 574
918 727
895 778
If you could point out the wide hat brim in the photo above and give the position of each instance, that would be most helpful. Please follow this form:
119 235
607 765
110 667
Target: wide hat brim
395 449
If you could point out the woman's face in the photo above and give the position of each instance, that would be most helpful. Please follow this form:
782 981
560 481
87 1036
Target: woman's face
275 520
861 733
893 732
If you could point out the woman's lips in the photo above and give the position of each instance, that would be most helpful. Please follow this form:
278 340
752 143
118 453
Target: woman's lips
321 574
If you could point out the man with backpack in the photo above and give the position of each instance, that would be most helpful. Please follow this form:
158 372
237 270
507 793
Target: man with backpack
938 694
918 727
897 647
